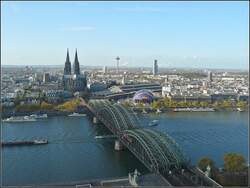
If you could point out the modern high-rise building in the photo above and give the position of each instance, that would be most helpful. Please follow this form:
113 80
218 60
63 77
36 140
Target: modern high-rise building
124 79
117 64
104 69
155 68
76 81
210 76
46 77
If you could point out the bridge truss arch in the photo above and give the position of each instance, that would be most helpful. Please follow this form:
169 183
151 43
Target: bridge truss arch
156 150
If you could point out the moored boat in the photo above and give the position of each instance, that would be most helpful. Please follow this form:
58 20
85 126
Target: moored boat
24 143
76 114
193 110
158 111
39 116
239 110
19 119
41 141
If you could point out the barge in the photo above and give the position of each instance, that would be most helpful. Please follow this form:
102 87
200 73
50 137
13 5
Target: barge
24 143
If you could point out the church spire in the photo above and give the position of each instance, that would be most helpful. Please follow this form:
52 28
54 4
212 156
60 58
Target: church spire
67 67
67 58
76 57
76 65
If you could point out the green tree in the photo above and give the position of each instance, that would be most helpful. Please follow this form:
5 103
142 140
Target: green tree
234 162
173 104
140 105
27 107
181 104
126 104
226 104
204 104
242 104
157 104
195 104
167 102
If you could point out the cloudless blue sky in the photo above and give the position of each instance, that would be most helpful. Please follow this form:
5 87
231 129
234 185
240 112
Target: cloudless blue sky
178 34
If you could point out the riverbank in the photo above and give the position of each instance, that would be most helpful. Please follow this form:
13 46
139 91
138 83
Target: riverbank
186 109
44 108
50 113
167 104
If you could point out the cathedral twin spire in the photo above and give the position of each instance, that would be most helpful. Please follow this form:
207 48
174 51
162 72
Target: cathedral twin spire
76 66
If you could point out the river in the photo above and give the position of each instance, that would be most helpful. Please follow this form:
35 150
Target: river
73 154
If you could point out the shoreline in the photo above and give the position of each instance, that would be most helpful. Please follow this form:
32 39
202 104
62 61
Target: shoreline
186 109
139 111
49 113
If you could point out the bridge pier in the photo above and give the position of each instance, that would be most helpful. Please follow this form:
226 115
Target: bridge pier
119 146
95 120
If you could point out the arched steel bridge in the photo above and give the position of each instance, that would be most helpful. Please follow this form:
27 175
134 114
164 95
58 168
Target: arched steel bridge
157 151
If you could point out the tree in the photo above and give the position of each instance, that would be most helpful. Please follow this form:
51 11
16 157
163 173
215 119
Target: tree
126 104
167 102
226 104
242 104
140 105
182 104
27 107
234 162
69 106
46 106
156 104
173 104
204 162
204 104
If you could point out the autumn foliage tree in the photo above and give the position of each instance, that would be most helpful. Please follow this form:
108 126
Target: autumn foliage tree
46 106
204 162
234 162
69 106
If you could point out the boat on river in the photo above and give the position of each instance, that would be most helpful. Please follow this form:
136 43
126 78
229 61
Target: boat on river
240 110
193 110
39 116
76 114
15 119
39 142
105 136
153 123
158 111
25 143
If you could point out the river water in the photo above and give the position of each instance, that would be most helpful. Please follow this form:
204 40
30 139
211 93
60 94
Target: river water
73 153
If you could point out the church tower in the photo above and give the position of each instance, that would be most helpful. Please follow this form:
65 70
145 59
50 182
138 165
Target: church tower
76 65
67 67
75 82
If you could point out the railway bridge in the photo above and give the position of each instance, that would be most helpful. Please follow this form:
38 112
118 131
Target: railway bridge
156 150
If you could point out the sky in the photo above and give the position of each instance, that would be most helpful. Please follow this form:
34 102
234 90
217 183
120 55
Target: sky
177 34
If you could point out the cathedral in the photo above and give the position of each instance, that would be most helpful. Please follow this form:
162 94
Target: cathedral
76 81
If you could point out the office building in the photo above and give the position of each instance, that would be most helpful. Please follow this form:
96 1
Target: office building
155 68
46 77
210 76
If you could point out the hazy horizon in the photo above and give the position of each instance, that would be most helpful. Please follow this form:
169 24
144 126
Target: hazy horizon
129 67
200 35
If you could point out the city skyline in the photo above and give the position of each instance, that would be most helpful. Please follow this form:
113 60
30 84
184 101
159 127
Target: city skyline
181 35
